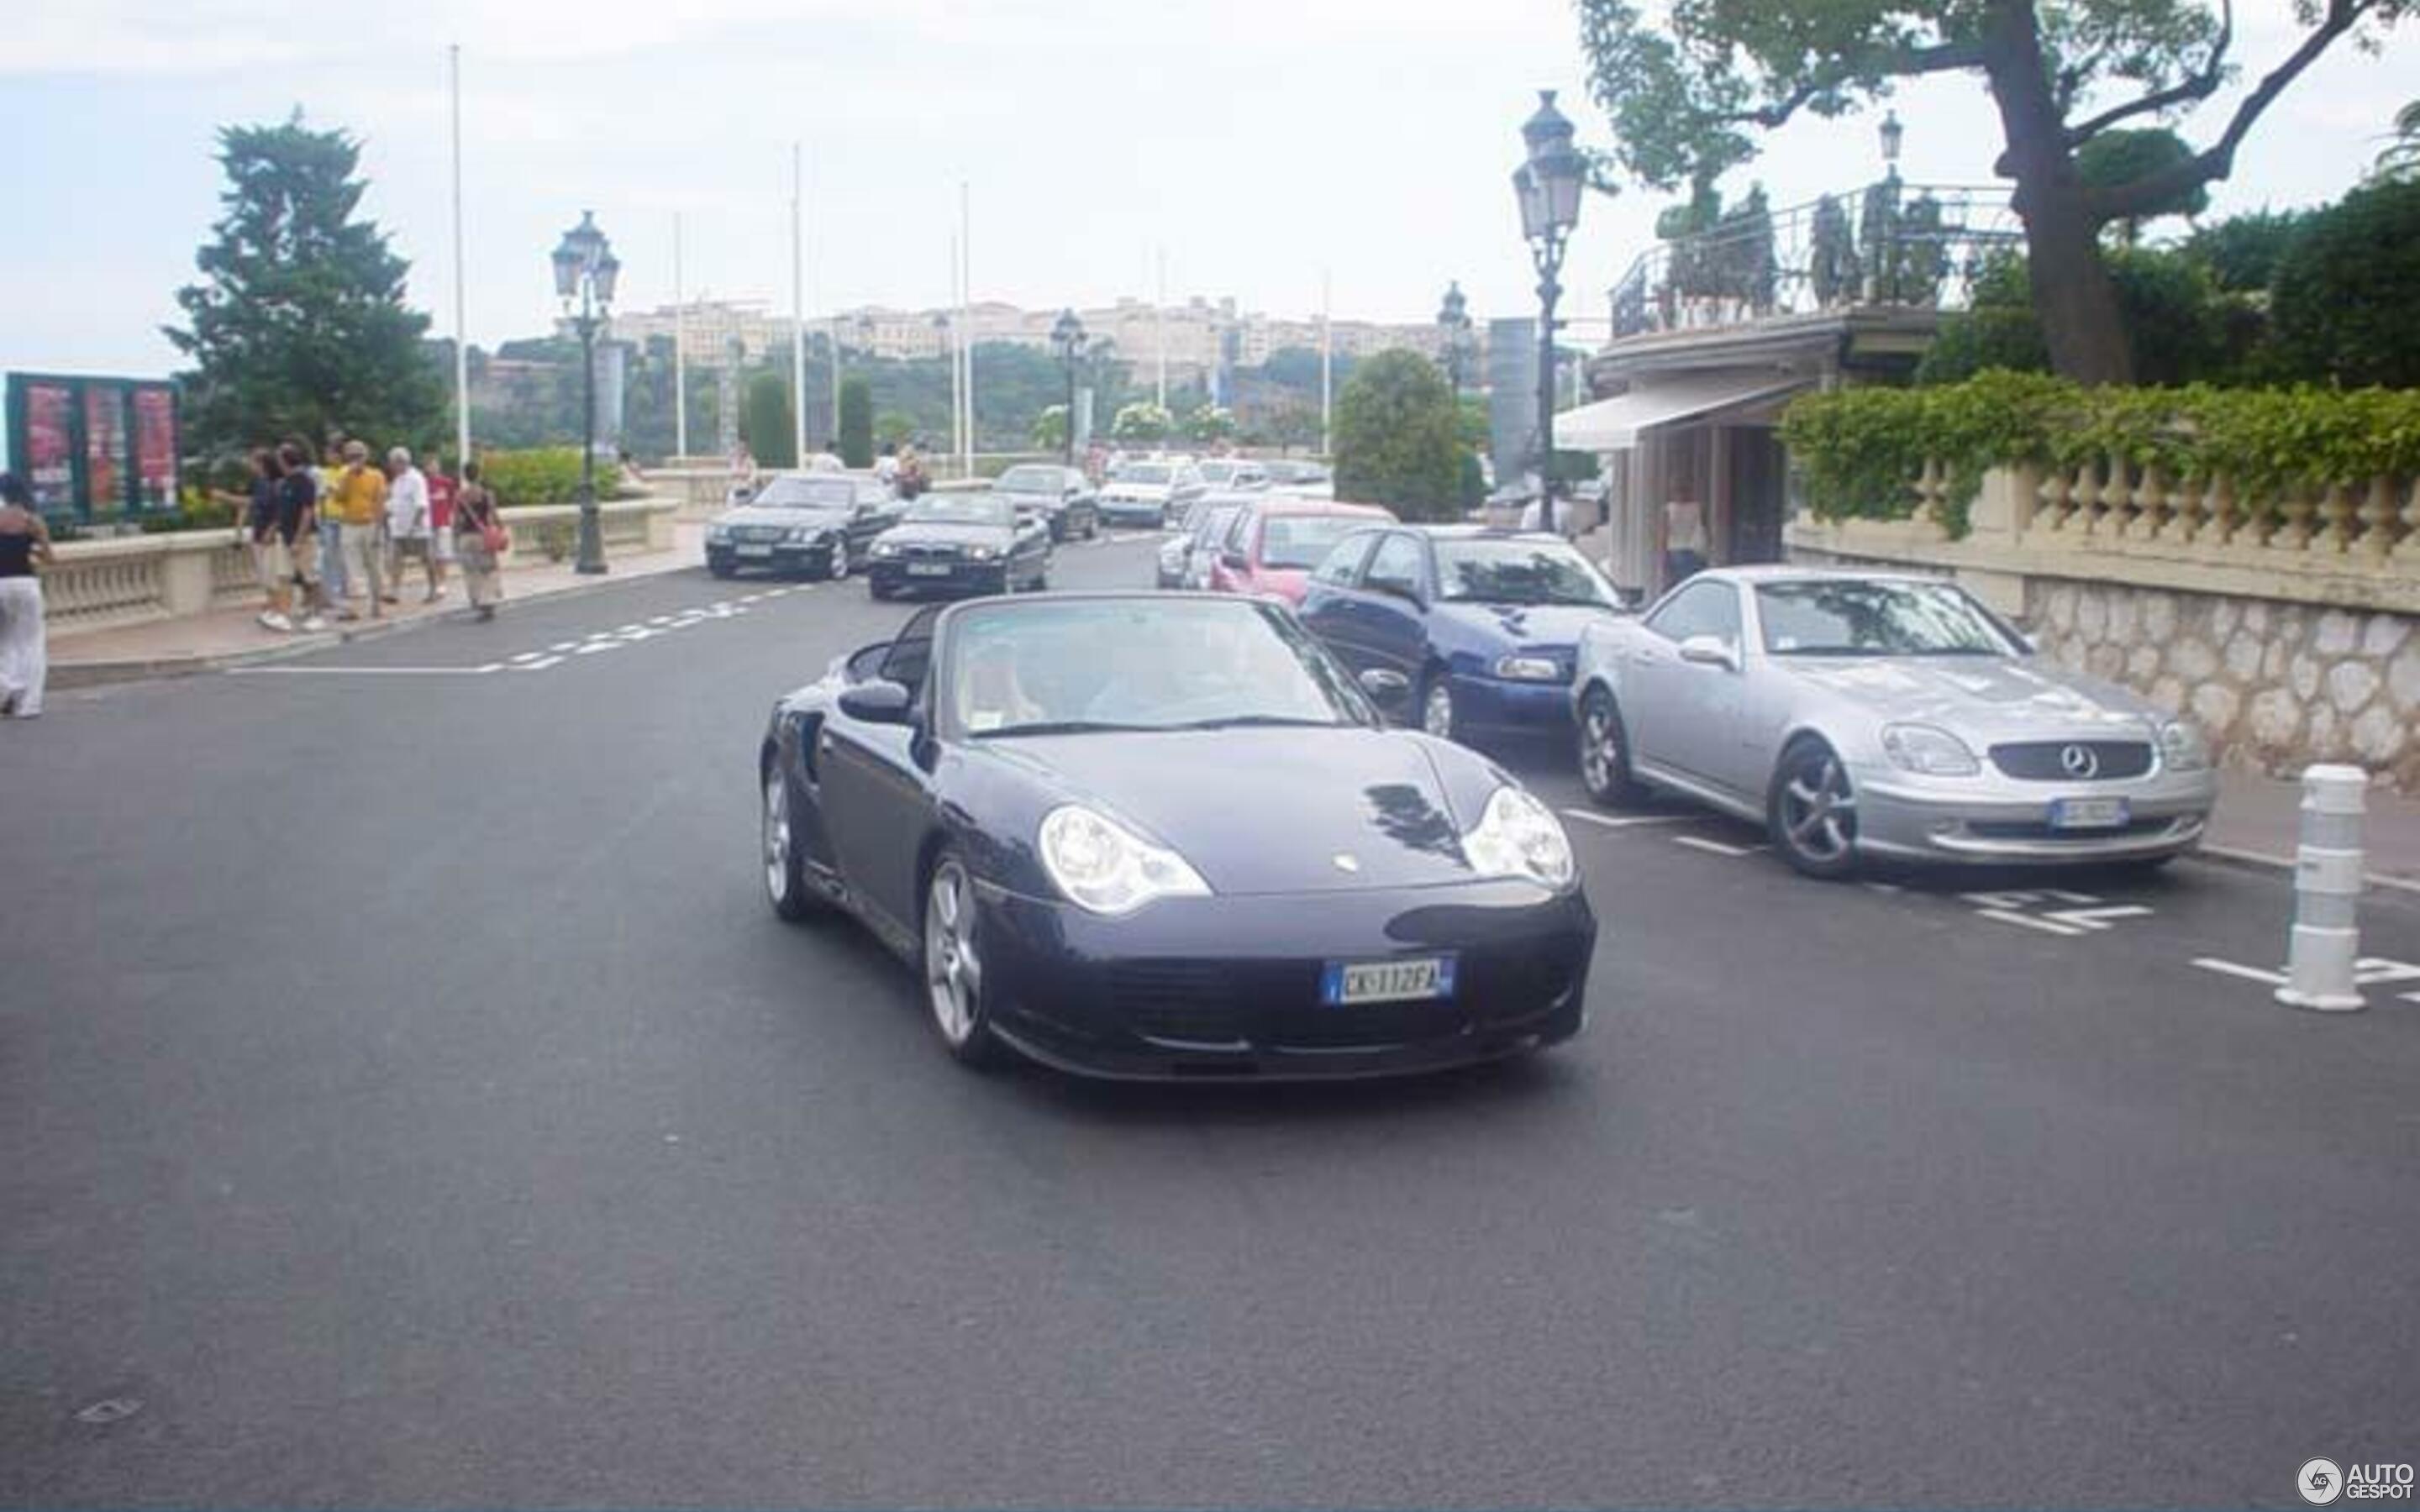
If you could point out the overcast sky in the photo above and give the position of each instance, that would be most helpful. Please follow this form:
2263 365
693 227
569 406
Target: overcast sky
1259 140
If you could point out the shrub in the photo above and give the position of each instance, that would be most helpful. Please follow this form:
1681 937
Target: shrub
1859 451
767 424
540 475
1396 441
856 423
2346 305
2181 328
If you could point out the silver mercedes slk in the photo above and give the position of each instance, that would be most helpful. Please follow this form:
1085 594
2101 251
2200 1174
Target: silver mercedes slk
1855 715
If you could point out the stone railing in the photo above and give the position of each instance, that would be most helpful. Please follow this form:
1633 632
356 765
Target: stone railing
133 579
2288 625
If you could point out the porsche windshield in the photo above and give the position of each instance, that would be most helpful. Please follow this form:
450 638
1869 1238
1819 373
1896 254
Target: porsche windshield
1517 572
1837 618
961 509
807 493
1070 668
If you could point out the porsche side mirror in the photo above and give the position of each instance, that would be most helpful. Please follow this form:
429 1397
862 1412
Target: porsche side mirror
1390 690
1710 651
879 701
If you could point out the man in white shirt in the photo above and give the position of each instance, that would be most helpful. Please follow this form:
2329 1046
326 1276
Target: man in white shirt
407 523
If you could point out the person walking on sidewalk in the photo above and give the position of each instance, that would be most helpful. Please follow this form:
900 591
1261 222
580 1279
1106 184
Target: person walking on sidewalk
359 507
324 479
24 542
407 523
478 536
269 564
298 525
440 525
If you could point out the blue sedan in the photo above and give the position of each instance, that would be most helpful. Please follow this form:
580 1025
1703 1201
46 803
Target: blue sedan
1463 628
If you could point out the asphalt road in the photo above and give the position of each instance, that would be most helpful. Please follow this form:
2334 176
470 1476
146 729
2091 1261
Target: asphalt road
408 1099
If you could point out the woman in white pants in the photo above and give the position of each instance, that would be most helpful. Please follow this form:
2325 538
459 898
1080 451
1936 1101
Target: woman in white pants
25 541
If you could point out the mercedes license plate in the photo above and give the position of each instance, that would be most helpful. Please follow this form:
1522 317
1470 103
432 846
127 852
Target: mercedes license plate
2088 813
1423 978
928 569
756 551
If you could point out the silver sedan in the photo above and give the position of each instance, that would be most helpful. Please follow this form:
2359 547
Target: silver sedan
1855 715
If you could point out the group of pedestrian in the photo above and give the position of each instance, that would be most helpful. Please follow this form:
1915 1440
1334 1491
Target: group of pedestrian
327 538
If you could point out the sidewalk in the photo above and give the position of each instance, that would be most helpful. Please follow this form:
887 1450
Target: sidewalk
2258 819
227 638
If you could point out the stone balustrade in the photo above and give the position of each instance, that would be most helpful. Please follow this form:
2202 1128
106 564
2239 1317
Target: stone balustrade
2289 626
133 579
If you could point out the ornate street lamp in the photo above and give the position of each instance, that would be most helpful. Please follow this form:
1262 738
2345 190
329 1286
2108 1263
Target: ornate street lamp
1067 334
1548 186
1892 133
586 268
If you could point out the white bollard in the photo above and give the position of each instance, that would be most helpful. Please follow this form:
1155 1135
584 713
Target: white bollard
2327 892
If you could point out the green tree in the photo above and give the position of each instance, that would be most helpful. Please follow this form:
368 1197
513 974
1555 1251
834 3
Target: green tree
1141 421
2121 157
855 422
2346 300
2243 251
1395 437
767 424
1209 423
1688 86
298 325
2178 322
1050 428
2400 160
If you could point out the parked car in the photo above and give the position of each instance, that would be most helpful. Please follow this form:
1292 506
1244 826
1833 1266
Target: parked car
1463 628
1145 837
1183 555
1271 550
1231 474
1061 495
802 522
1305 480
1861 715
1147 494
961 543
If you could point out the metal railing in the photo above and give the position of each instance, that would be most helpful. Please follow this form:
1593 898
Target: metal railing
1891 244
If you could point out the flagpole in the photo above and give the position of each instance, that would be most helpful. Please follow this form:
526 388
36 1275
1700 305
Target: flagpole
1327 371
957 333
680 348
461 335
797 321
1160 326
966 306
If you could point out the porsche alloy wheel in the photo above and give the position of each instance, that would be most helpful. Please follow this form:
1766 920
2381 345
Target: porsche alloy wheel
785 884
954 963
1604 751
1813 811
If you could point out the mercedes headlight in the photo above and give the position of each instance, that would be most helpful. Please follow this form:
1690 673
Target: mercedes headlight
1528 669
1519 836
980 553
2182 748
718 533
1105 868
1932 752
885 548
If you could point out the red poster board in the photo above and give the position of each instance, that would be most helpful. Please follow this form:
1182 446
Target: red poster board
104 446
50 446
155 447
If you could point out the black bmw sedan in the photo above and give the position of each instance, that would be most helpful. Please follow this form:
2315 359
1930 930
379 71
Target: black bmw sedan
1146 836
1061 495
821 523
962 543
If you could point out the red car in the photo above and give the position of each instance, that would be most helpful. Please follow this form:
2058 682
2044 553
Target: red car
1272 545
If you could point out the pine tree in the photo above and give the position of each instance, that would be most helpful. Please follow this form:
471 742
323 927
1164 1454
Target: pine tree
299 326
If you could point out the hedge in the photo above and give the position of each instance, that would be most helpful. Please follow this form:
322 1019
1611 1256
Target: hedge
543 475
1860 451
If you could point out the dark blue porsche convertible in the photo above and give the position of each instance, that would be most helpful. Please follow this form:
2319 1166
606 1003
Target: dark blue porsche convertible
1155 836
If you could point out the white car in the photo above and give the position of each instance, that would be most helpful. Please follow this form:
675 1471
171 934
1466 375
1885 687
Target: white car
1148 494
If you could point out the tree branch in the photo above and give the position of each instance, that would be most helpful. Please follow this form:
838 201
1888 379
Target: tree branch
1904 62
2142 197
2199 86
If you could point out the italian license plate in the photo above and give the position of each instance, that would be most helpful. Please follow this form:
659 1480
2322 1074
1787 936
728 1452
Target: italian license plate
2088 813
1421 979
928 569
756 551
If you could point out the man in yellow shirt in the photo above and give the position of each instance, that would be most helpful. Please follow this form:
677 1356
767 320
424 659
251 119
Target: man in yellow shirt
359 505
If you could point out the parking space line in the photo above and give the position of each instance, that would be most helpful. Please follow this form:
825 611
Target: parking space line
363 671
2047 926
1606 820
1714 847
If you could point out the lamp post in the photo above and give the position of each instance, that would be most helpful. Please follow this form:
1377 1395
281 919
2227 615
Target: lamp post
1453 320
1067 334
586 268
1549 187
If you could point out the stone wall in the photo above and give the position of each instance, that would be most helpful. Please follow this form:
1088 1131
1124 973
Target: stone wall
2277 686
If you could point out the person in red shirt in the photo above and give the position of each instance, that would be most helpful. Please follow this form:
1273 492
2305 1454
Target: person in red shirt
442 490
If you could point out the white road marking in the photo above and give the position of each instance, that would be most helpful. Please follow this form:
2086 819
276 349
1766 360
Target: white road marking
562 645
2268 978
541 664
528 657
2091 917
1714 847
1626 821
594 646
362 671
2369 971
2006 915
629 629
1885 889
661 618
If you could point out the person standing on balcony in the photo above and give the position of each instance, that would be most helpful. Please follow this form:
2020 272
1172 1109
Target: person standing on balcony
24 547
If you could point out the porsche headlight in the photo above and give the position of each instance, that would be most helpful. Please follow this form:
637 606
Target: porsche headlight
1104 867
1528 669
1932 752
885 548
1519 836
2182 748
